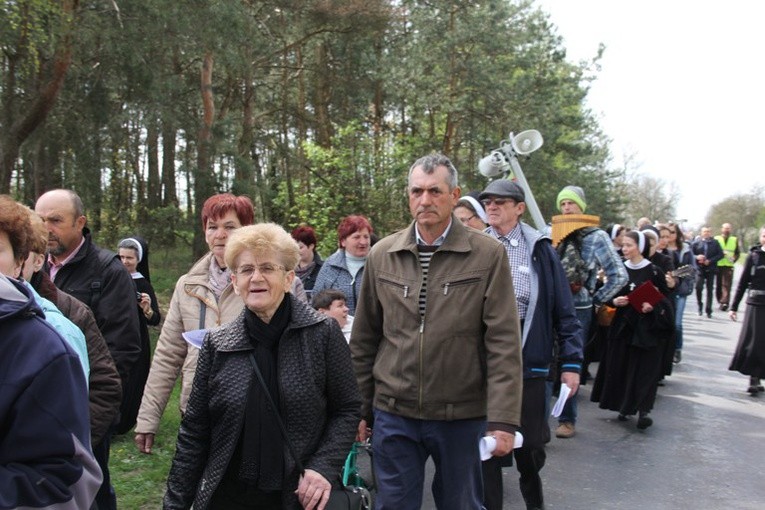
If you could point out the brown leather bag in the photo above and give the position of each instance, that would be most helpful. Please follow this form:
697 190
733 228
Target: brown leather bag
605 315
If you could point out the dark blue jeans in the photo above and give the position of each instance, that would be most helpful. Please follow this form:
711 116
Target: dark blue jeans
679 311
401 447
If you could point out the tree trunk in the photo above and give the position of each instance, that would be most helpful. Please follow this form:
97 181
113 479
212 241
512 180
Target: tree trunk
322 97
169 193
16 130
203 184
153 188
243 182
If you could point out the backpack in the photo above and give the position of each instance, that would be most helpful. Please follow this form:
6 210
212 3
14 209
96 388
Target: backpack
570 254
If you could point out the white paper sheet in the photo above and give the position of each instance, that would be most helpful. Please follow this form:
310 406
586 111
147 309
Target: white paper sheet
195 337
488 444
564 393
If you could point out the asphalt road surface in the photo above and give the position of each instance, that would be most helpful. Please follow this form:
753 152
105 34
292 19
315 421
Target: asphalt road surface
706 449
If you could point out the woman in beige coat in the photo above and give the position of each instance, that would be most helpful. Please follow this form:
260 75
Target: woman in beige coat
203 299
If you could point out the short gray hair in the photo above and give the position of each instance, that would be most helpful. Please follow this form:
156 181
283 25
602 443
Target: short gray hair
430 163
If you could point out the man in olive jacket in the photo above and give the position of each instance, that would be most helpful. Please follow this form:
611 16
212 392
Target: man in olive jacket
436 349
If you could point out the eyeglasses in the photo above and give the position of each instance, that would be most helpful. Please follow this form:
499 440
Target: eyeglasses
264 269
498 201
467 220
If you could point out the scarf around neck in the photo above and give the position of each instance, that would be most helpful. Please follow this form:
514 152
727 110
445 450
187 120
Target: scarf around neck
262 444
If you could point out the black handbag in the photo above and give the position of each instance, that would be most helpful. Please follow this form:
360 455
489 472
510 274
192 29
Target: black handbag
346 498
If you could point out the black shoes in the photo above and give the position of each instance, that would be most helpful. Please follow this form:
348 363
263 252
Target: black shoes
724 307
754 386
677 357
644 421
709 315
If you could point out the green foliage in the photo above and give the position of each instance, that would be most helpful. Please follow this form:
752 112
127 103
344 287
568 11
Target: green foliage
745 212
320 108
346 182
139 480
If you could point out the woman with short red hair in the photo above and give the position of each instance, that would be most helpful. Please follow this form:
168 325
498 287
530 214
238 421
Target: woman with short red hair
204 298
343 269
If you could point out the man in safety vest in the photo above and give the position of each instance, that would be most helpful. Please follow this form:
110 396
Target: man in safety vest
731 253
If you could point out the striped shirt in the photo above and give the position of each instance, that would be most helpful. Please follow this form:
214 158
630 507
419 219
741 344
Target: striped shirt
425 253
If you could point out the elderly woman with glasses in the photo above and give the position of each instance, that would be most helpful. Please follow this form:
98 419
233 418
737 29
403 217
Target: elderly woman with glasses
230 452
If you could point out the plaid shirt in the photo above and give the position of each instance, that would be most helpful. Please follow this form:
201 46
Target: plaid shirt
598 252
520 265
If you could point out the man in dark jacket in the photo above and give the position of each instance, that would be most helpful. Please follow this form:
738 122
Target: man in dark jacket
104 385
547 313
45 441
97 278
707 252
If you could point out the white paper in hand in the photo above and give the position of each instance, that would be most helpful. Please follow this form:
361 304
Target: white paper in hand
564 393
488 444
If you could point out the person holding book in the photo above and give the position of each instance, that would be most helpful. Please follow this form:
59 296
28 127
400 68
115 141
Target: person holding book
631 367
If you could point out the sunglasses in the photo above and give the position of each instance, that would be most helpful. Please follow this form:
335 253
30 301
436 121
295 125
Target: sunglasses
498 201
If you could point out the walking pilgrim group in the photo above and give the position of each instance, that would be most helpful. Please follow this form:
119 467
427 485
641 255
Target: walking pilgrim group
452 333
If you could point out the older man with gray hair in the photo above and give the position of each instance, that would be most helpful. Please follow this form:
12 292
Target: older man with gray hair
548 318
436 349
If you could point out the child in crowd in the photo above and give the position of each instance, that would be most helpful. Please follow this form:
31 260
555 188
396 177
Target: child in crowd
331 302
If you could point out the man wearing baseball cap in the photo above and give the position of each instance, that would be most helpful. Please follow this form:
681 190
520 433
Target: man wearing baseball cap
547 315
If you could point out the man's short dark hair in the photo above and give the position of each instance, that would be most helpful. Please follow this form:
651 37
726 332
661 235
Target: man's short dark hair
325 298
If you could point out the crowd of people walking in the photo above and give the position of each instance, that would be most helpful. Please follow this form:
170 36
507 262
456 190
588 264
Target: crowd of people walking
456 331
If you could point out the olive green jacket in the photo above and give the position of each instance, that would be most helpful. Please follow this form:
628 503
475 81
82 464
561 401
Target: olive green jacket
463 358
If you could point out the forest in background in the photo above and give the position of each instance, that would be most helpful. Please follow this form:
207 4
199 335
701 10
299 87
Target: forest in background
314 108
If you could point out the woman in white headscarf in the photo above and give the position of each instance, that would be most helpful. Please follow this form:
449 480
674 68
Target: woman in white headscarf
631 367
134 253
470 211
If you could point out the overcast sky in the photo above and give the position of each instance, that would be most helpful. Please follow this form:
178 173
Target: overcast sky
681 87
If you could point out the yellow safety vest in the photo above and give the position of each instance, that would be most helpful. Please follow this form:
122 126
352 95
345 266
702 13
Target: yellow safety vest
729 250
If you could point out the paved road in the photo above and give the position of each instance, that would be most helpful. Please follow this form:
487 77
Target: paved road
704 451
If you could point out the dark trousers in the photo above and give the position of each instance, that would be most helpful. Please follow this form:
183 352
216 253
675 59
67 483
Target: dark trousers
530 458
402 446
705 278
106 499
235 495
724 284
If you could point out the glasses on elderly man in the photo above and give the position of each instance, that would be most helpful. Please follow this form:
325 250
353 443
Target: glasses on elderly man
496 200
266 269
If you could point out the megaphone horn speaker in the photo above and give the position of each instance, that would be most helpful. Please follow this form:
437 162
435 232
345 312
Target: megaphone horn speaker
527 142
493 164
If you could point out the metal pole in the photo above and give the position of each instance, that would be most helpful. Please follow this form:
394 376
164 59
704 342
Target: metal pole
531 203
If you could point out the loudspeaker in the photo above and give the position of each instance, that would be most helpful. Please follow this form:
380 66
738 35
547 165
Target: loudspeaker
527 142
493 164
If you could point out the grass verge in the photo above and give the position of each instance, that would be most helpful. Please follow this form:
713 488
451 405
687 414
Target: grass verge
139 479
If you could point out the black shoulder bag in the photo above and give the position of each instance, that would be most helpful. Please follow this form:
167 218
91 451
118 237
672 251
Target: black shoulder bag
347 498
